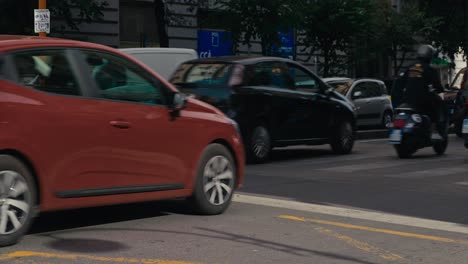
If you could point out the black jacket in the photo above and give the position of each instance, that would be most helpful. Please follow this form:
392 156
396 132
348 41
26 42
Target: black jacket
418 81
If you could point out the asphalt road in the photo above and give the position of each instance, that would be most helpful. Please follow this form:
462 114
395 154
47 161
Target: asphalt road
306 206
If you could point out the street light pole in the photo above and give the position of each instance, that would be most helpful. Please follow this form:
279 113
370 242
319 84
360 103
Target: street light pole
42 5
466 32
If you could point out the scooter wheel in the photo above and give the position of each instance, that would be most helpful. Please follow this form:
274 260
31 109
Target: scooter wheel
403 152
440 147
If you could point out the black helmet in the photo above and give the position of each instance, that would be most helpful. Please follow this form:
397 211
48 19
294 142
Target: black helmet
426 52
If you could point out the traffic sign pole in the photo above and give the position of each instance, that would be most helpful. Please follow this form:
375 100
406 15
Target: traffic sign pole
42 5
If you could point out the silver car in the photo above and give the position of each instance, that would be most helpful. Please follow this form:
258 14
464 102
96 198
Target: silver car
370 96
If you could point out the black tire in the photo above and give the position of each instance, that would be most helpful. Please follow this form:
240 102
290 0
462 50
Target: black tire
259 145
404 152
342 140
9 165
458 128
440 147
200 202
386 118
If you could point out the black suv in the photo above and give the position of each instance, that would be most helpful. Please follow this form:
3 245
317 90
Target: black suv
276 102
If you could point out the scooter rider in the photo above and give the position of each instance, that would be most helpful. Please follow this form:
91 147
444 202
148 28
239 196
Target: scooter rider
423 89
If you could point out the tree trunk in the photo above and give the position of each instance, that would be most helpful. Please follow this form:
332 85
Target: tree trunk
394 59
403 58
264 47
161 23
326 62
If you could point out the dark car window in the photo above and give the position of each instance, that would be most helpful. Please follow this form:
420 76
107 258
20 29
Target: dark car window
383 89
342 87
368 90
360 88
303 80
3 74
47 70
120 79
271 74
374 89
202 74
2 67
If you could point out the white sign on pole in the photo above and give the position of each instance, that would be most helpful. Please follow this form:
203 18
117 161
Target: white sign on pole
41 20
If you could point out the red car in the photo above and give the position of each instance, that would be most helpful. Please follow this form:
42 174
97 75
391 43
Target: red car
86 125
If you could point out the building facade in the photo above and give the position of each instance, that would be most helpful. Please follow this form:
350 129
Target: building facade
185 23
105 31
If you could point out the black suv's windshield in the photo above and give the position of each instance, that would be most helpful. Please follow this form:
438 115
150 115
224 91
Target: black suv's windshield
202 74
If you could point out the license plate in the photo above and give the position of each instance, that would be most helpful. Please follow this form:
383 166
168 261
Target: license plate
465 126
395 136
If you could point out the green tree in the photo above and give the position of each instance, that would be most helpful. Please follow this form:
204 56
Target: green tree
402 30
331 27
258 19
16 17
452 36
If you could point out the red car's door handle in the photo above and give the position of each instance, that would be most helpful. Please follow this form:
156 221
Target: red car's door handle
120 124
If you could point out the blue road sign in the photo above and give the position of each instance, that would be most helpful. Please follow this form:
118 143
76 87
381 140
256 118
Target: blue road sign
214 43
286 46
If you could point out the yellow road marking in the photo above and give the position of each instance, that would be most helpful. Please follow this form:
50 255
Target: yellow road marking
387 255
30 254
377 230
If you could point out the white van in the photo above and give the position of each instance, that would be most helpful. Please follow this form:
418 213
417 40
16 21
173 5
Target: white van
162 60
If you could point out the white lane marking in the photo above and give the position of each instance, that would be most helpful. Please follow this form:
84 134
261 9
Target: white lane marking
326 159
385 152
429 173
353 213
462 183
388 164
360 167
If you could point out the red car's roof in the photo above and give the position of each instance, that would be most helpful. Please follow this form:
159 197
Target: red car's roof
14 42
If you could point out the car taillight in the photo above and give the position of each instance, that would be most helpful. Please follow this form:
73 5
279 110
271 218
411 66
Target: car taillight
465 103
399 123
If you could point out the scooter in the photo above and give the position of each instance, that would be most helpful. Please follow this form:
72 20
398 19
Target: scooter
412 131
